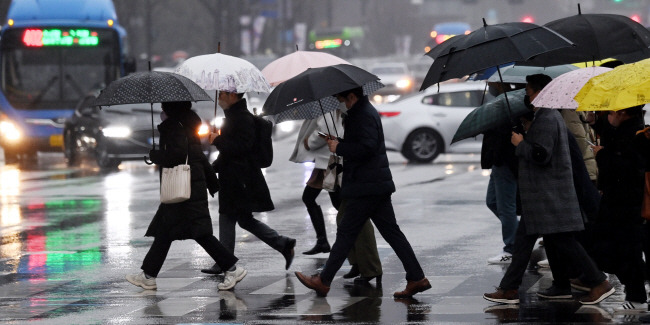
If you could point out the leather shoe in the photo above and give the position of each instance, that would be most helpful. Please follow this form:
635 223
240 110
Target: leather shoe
598 293
353 273
289 252
215 269
313 282
413 287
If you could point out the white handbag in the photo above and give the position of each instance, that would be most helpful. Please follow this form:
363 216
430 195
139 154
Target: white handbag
175 184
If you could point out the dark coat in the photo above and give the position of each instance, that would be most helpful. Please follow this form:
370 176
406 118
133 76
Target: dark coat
365 164
548 195
497 150
189 219
621 168
243 187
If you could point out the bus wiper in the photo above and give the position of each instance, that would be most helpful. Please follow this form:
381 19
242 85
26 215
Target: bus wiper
74 85
40 95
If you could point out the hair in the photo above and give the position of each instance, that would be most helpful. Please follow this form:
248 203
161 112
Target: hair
538 81
612 64
239 95
356 91
635 111
176 108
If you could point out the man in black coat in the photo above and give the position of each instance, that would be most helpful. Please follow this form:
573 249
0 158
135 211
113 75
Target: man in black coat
367 187
243 189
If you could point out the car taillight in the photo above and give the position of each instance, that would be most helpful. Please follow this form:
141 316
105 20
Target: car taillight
388 114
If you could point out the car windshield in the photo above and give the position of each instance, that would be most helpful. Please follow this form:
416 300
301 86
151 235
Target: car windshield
465 98
55 77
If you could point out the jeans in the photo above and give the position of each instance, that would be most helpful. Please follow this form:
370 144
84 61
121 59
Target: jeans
267 234
380 210
501 199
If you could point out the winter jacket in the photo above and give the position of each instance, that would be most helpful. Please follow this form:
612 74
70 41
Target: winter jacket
365 165
582 133
243 188
191 218
318 152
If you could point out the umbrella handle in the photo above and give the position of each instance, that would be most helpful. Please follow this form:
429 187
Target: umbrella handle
147 161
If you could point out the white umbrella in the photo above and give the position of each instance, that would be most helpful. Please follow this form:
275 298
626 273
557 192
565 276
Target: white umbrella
222 72
297 62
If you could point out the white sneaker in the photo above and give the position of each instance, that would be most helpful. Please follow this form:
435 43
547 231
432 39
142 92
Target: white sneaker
139 280
231 278
630 307
544 264
503 258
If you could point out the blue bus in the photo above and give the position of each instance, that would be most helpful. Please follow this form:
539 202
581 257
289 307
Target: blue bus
52 54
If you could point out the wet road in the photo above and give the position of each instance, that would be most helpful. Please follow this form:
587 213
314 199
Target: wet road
68 237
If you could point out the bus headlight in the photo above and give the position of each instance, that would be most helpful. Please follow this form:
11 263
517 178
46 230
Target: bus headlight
116 131
10 131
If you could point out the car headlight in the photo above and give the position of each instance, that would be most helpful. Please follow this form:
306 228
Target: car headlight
287 126
116 131
9 131
403 83
204 129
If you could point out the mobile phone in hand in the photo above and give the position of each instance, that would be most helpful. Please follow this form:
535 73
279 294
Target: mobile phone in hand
322 135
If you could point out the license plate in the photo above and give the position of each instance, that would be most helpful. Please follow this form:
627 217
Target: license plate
152 139
56 140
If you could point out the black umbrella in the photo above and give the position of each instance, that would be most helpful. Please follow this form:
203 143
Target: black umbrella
489 46
309 94
597 37
150 87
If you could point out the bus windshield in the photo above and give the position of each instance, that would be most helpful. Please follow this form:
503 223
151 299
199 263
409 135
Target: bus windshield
46 69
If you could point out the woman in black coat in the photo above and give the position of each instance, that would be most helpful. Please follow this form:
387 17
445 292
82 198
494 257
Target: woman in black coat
190 219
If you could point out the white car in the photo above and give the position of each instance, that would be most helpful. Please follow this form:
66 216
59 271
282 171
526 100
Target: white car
396 78
421 125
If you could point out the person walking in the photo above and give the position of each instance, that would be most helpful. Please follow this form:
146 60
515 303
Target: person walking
367 187
619 227
549 208
312 147
243 187
189 219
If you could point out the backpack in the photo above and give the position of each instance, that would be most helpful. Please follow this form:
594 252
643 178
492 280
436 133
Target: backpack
263 146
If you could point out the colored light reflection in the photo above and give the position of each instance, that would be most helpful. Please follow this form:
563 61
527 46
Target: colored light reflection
117 189
9 191
58 37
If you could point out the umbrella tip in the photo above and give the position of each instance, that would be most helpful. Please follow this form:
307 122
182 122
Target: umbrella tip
218 47
579 11
296 47
149 65
484 23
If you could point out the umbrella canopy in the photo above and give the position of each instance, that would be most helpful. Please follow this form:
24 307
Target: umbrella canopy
224 73
489 46
626 86
518 73
150 87
560 91
597 37
293 64
492 114
309 94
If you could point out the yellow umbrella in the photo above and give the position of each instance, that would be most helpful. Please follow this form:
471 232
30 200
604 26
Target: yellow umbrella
626 86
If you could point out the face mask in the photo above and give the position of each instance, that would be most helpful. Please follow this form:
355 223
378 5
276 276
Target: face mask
163 116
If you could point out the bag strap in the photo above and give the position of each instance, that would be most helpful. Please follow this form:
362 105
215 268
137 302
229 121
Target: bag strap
187 143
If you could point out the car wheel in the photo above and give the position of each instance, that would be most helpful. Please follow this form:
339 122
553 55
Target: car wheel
103 160
422 146
70 150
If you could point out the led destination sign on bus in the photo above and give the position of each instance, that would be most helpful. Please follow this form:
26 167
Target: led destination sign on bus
58 37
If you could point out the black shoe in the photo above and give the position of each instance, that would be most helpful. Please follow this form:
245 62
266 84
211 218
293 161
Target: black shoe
367 279
289 252
215 269
320 247
354 272
554 292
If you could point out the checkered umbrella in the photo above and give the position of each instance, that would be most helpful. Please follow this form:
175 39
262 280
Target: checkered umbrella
309 94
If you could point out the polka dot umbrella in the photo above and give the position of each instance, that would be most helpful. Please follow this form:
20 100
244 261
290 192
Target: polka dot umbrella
151 87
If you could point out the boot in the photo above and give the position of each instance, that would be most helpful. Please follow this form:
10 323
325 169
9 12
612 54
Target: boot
318 221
